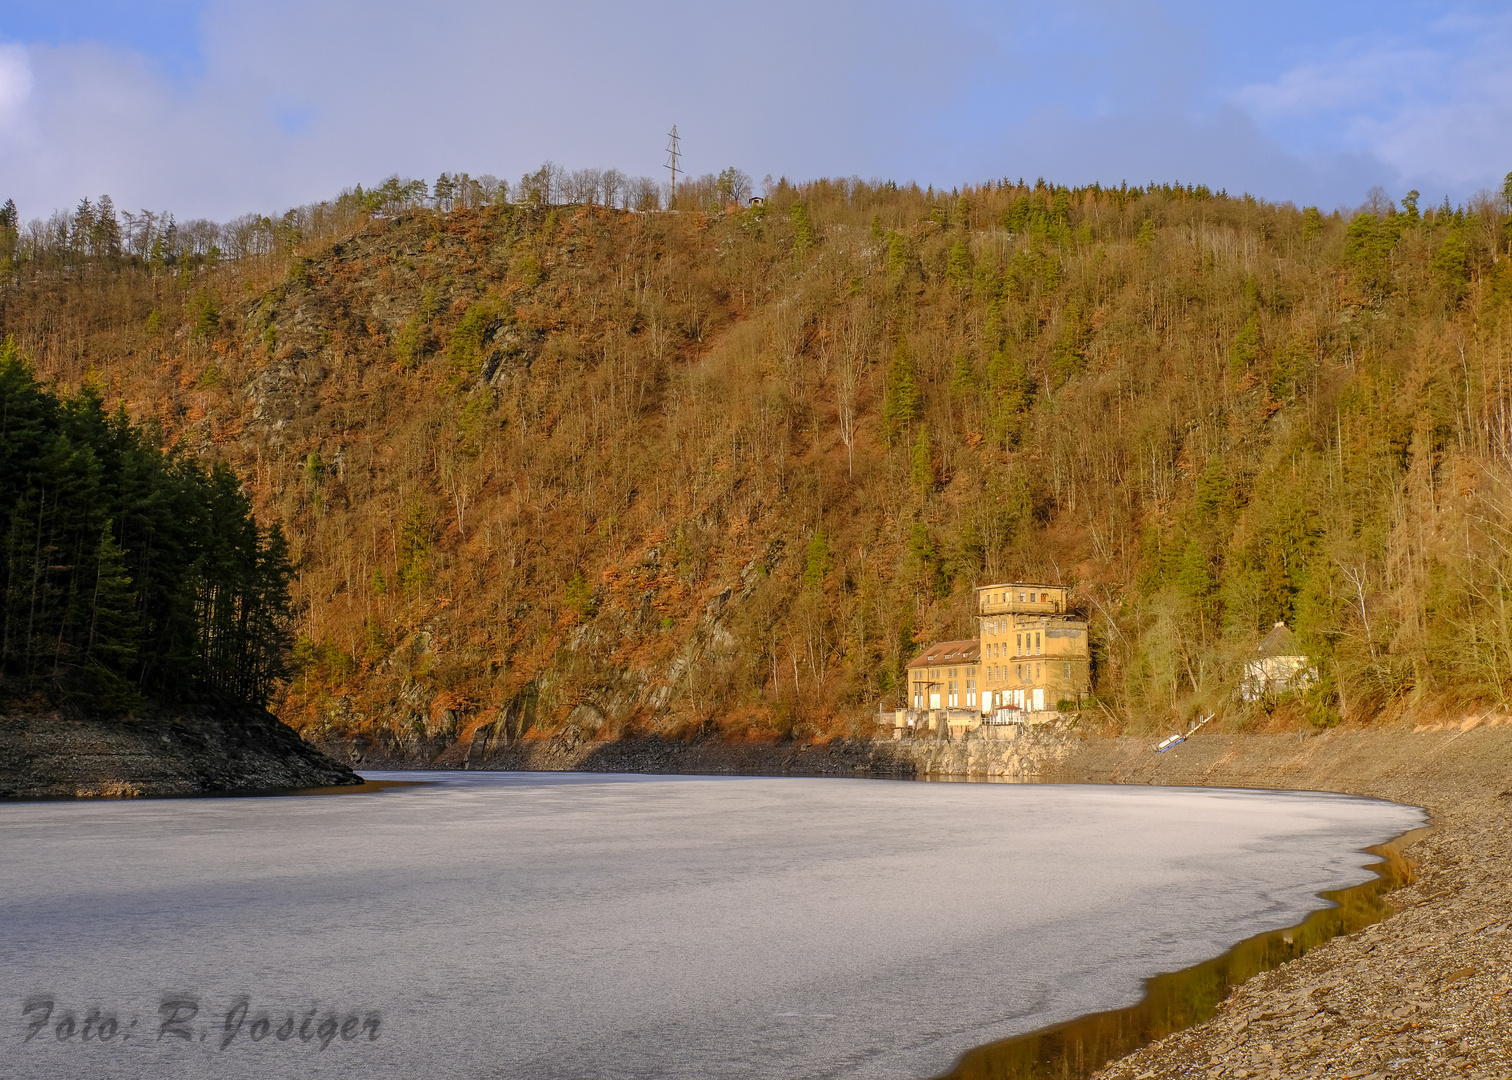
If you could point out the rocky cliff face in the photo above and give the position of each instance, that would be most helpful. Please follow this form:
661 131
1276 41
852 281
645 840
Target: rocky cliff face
48 755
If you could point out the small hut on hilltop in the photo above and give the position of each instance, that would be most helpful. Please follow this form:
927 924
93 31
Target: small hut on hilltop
1278 665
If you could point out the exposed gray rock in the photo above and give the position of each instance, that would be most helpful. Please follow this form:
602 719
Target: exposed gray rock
50 755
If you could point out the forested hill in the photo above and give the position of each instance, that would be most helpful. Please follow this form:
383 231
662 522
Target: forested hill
569 466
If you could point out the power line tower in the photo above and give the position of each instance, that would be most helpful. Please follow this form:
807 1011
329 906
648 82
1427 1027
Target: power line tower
674 152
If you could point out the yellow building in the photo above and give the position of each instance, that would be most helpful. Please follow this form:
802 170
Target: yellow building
1032 653
945 676
1035 652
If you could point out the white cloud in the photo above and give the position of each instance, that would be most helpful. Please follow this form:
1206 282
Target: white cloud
291 100
382 87
1343 84
1436 111
15 83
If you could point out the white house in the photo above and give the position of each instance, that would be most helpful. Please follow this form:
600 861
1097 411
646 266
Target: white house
1277 666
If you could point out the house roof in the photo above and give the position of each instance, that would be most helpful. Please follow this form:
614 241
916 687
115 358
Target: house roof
1280 642
948 652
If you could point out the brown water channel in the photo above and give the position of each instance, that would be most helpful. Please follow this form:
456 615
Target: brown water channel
1182 999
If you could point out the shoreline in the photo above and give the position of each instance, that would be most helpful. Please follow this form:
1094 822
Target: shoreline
1420 995
1178 1000
206 752
1424 993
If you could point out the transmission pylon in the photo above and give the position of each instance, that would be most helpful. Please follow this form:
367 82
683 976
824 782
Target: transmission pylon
674 152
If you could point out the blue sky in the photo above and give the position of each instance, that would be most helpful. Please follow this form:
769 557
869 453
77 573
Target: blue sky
219 107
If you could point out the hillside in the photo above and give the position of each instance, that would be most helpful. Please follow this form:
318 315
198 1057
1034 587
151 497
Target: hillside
573 468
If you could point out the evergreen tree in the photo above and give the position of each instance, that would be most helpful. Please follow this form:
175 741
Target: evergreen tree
1410 206
110 650
958 266
579 595
817 561
414 545
901 407
126 569
897 256
1367 249
82 233
1312 223
923 462
962 377
803 228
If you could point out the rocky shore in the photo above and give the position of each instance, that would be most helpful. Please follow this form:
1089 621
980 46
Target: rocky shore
52 755
1422 994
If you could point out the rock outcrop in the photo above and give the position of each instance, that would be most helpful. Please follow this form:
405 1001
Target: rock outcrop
51 755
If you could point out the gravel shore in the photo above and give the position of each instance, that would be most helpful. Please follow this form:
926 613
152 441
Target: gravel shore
1423 993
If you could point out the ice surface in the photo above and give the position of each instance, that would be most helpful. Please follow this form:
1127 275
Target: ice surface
545 925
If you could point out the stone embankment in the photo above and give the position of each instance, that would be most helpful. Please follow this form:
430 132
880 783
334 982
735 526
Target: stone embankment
49 755
1013 754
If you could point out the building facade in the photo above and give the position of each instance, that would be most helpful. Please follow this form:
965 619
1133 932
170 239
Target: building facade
1032 652
1035 651
946 676
1278 666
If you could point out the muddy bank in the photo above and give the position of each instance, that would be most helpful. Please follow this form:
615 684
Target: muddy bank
49 755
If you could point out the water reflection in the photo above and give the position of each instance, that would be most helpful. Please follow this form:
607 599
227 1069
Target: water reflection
1182 999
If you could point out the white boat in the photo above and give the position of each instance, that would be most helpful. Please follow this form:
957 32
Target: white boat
1171 740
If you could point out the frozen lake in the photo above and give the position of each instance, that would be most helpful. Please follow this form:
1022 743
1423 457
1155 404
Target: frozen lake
524 925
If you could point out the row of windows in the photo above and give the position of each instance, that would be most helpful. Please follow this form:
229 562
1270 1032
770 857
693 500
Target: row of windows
959 693
953 694
1023 645
1023 598
1000 671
